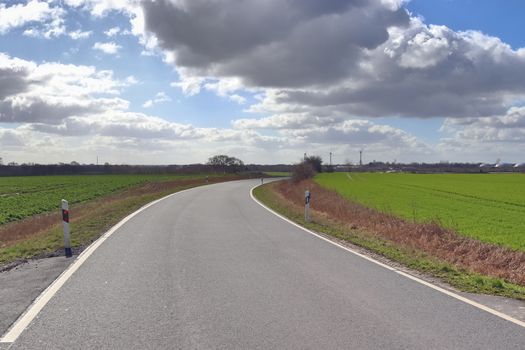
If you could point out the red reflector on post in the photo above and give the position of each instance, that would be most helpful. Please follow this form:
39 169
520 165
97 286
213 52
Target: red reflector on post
65 215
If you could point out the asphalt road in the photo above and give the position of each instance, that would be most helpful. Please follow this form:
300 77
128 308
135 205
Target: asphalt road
211 269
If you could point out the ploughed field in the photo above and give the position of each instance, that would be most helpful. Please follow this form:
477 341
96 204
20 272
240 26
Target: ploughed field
21 197
488 207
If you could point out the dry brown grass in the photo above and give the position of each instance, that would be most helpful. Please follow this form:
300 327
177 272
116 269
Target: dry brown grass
445 244
35 226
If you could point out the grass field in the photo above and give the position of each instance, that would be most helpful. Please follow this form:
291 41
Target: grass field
21 197
488 207
100 202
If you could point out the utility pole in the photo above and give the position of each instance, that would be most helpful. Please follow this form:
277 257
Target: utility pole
304 156
361 157
330 158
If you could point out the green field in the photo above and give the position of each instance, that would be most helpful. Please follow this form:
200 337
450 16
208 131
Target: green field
21 197
488 207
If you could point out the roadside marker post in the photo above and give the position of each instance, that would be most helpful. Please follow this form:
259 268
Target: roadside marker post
307 206
262 180
67 236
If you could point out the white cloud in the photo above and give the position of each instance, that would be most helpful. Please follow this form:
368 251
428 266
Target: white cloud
121 124
34 11
227 87
50 92
79 34
286 121
237 99
132 80
507 128
485 139
112 31
427 49
109 48
159 98
10 139
48 30
333 131
190 85
101 8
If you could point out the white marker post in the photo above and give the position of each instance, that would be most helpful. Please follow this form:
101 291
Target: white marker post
307 206
67 236
262 180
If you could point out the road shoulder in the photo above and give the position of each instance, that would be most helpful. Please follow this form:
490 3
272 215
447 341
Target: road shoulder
24 283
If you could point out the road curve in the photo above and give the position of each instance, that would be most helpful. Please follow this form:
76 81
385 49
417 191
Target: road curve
211 269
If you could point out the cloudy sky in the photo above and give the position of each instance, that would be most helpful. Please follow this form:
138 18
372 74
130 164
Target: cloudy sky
177 81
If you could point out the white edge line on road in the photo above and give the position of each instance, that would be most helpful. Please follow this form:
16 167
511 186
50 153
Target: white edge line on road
413 278
32 311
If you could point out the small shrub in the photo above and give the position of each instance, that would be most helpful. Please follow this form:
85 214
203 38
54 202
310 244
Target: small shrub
316 162
302 171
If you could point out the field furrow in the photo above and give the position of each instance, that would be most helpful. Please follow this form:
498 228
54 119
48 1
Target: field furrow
489 207
21 197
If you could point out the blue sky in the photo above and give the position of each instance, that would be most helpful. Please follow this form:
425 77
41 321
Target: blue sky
178 81
502 19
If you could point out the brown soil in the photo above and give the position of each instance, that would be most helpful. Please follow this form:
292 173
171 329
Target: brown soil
476 256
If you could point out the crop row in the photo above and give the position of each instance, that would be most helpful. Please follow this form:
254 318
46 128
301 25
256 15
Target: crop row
489 207
21 197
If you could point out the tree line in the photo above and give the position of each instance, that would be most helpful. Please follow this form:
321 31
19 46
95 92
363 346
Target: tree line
215 164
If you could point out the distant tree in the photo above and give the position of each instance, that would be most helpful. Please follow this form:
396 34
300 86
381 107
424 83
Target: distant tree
225 163
1 161
316 162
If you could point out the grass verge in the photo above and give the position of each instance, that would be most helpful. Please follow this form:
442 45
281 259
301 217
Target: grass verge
42 236
454 275
278 173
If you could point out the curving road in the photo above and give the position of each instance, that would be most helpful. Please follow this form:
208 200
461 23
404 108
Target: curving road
210 268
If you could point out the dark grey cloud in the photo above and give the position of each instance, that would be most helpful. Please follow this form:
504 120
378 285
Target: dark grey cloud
423 71
37 110
353 58
271 43
12 82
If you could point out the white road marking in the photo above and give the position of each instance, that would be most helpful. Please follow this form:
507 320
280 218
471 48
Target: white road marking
402 273
40 302
23 321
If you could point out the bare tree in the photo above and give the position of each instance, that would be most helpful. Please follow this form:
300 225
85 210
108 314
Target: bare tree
226 163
